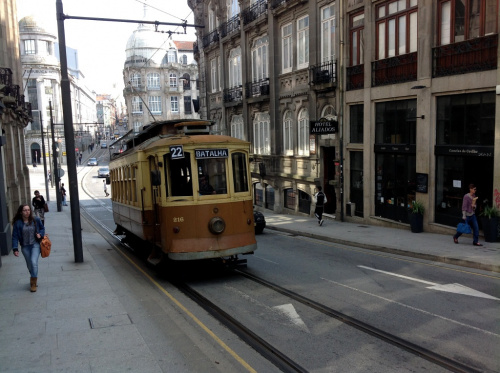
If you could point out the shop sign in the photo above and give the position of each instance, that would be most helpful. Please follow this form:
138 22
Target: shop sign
395 148
323 127
468 151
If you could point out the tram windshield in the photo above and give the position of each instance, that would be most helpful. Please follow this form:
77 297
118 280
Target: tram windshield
181 179
212 176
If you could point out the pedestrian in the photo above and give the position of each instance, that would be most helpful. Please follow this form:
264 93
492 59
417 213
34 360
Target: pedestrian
49 177
469 215
63 195
105 188
28 231
320 200
38 203
80 158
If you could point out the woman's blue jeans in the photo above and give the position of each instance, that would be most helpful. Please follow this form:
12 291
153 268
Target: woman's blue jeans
31 254
472 221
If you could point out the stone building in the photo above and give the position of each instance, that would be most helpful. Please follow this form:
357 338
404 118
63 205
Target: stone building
381 102
15 115
160 78
42 81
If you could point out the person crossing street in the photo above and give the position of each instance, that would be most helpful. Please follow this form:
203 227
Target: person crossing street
320 199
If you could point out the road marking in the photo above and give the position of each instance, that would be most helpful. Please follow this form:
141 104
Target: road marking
413 308
289 311
450 288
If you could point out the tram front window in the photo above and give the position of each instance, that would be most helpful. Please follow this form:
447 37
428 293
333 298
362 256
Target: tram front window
212 176
240 173
180 180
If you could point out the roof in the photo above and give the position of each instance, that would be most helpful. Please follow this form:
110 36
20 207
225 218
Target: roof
184 45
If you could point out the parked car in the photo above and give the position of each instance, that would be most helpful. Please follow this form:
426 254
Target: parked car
92 162
104 145
259 222
103 172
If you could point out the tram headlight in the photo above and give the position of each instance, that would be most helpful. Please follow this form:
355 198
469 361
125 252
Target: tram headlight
217 225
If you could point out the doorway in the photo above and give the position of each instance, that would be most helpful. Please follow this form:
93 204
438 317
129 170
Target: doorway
329 179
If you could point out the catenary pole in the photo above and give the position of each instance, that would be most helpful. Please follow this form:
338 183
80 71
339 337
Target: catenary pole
70 138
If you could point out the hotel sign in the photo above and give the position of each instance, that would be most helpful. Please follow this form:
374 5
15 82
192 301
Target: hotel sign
323 127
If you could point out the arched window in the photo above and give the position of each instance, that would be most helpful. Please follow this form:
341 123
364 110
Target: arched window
329 112
235 68
303 128
260 58
237 129
262 133
288 133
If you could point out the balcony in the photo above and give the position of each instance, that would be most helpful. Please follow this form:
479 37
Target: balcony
278 3
324 76
230 26
472 55
233 94
257 88
253 12
211 38
355 77
394 70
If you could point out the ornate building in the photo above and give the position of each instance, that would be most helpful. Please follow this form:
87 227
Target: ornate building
382 102
15 115
41 79
160 78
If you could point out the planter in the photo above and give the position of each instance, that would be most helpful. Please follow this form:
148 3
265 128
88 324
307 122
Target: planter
416 222
490 229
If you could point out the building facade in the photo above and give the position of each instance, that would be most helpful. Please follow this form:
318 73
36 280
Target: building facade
160 78
42 81
15 115
380 102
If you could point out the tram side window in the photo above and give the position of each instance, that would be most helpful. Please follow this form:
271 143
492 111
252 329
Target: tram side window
240 173
213 173
178 172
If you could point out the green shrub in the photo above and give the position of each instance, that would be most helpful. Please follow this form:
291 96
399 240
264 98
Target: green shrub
417 207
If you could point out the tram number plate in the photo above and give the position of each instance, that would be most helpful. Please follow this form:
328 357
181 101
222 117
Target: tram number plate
178 219
177 152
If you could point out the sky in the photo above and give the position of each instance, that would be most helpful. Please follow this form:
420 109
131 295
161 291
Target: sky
101 45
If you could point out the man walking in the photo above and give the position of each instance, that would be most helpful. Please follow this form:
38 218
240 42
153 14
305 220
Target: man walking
105 188
63 195
320 199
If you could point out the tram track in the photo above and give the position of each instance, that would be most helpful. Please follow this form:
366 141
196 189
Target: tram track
272 353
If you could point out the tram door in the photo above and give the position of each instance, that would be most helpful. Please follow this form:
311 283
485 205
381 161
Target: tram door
155 173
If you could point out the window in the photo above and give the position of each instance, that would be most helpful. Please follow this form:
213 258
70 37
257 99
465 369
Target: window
396 28
357 25
240 172
187 105
155 104
173 80
395 122
303 124
260 58
237 129
261 133
328 33
47 46
356 124
286 45
136 105
214 75
289 198
29 47
172 56
136 80
287 133
461 20
32 94
235 78
212 176
153 81
174 104
184 59
303 42
180 179
137 126
233 8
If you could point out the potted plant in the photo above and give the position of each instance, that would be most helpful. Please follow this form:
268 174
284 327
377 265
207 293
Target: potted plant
490 223
417 210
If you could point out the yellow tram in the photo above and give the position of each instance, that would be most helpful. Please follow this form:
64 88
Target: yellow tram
184 191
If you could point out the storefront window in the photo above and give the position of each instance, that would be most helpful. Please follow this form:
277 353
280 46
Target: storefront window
356 192
269 197
289 199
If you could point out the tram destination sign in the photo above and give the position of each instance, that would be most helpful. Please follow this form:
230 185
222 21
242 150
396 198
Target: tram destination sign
323 127
211 153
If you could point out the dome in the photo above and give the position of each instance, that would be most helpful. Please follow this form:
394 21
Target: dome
31 24
147 43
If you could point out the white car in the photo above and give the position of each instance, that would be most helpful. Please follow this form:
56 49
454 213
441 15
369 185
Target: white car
103 172
104 145
92 162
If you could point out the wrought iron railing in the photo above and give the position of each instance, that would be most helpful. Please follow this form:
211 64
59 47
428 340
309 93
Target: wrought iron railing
5 76
394 70
233 94
479 54
253 12
355 77
324 73
230 26
210 38
257 88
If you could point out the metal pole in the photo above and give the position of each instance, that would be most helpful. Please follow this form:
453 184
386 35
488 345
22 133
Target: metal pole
56 177
70 138
44 160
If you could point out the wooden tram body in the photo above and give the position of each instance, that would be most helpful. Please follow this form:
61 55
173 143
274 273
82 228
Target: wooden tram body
157 196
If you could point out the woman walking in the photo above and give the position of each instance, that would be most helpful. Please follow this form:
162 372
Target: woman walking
38 203
27 231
